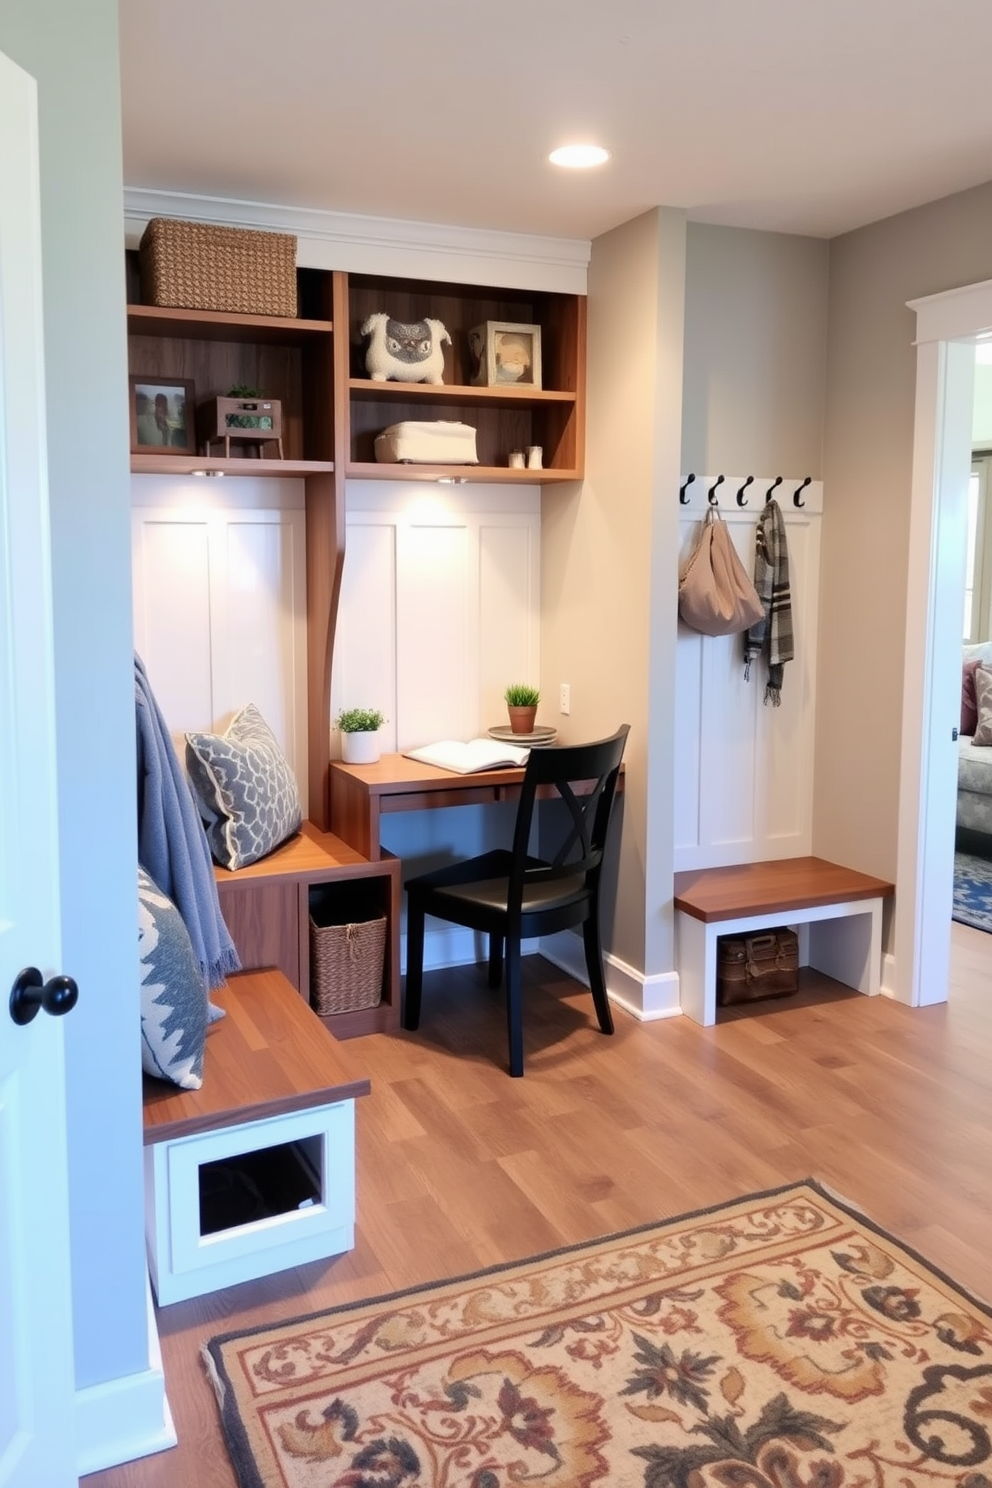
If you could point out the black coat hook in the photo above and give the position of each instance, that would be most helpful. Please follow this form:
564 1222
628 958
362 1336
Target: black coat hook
776 482
712 491
798 491
741 498
683 498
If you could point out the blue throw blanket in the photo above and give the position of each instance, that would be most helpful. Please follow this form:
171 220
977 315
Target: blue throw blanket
172 843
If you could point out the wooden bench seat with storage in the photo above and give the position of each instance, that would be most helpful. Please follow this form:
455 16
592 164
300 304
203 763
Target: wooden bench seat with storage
255 1171
836 911
266 909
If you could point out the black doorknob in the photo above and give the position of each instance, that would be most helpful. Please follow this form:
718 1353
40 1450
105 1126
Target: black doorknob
31 992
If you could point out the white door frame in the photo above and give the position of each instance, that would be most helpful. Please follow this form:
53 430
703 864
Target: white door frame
947 326
37 1444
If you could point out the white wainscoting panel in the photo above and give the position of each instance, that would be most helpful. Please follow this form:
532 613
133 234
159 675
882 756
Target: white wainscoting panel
220 604
440 606
744 770
364 671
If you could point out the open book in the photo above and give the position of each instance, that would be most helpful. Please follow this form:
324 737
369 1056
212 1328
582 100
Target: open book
477 754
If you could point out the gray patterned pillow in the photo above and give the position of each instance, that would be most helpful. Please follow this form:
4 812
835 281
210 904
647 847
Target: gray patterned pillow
174 1011
244 788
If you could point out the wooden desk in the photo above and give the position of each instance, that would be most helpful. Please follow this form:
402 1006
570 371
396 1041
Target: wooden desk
362 794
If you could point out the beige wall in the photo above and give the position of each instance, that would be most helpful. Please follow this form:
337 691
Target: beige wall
755 352
867 471
609 551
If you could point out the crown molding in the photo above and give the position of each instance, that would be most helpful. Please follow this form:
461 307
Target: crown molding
382 245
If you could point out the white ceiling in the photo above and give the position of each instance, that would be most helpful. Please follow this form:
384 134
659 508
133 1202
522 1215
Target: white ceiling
803 116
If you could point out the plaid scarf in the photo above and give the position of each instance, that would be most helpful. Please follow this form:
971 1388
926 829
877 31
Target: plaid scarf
772 634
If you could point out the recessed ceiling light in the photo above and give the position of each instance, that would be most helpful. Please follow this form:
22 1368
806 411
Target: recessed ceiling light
579 157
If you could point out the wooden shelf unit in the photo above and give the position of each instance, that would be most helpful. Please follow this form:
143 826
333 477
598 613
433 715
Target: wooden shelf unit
266 908
331 413
505 418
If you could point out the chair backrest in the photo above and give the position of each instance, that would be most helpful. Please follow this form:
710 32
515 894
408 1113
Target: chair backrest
564 771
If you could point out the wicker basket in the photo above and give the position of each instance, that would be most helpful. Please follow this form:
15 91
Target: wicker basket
346 959
195 266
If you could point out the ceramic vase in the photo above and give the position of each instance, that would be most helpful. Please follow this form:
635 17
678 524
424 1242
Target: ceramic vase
522 719
361 748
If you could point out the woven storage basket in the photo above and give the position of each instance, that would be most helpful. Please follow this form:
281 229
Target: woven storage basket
195 266
346 960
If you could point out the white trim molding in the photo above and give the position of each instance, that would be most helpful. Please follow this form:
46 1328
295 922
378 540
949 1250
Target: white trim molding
947 326
954 314
125 1418
646 998
382 245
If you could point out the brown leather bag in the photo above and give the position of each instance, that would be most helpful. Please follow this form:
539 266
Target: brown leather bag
716 596
756 966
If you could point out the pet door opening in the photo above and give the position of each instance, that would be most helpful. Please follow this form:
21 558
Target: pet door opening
253 1186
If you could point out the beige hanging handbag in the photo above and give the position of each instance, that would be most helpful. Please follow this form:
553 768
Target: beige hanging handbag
716 596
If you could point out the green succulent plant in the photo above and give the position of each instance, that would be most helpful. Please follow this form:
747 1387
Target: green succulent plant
359 720
520 695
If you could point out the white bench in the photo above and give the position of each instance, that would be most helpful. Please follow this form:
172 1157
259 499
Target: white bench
837 911
274 1121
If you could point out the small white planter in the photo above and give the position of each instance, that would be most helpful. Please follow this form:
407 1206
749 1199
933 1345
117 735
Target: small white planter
360 748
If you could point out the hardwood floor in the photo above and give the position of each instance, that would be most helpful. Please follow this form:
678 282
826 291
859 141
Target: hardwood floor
460 1167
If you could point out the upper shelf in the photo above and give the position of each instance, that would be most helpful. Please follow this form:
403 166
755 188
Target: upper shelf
213 465
521 397
219 325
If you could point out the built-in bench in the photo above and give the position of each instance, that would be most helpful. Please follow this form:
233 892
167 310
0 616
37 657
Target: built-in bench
255 1171
837 912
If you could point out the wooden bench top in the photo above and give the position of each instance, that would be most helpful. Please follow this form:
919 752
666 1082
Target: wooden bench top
270 1055
308 856
771 888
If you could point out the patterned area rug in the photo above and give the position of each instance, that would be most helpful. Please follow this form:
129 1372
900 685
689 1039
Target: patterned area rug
972 891
781 1341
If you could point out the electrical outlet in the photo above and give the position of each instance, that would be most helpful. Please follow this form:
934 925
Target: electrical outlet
564 698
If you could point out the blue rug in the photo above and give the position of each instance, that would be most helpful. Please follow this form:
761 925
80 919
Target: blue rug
972 891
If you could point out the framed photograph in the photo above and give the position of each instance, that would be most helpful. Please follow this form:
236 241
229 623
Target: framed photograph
504 354
162 416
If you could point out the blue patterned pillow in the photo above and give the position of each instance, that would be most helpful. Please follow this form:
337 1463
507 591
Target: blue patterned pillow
245 789
174 1004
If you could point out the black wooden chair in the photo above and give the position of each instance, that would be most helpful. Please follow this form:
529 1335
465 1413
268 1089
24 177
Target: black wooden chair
512 896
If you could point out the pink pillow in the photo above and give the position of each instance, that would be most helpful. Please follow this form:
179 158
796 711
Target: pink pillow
983 695
969 702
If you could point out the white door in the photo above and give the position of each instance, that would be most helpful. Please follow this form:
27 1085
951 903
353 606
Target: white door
37 1448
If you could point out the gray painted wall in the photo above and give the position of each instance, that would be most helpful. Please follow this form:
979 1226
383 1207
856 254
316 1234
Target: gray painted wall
755 352
72 52
871 379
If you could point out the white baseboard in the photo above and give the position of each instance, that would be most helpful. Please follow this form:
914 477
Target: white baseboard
887 986
126 1418
645 998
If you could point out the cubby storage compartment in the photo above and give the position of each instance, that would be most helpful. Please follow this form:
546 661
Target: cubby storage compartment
348 927
255 1171
286 359
506 417
267 908
259 1185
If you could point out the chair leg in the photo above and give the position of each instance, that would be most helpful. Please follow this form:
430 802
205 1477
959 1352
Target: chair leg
514 1010
414 965
594 968
495 959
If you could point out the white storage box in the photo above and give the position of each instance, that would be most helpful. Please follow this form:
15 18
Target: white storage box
437 442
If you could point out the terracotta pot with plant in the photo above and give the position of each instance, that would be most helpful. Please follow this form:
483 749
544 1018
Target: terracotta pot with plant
521 704
359 734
